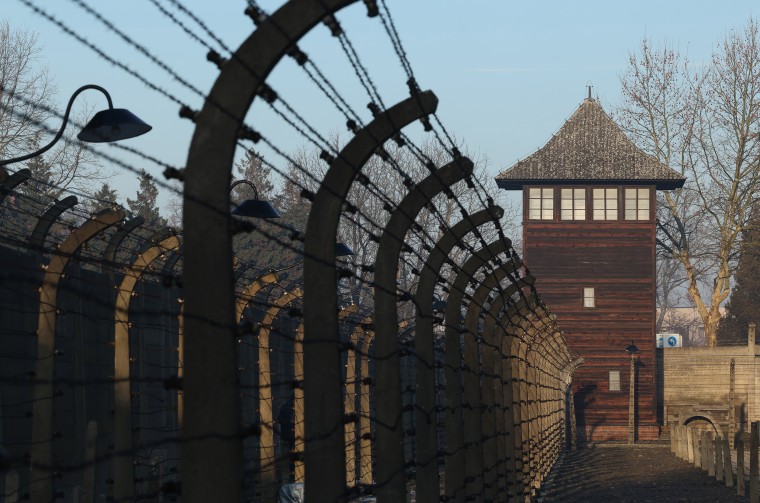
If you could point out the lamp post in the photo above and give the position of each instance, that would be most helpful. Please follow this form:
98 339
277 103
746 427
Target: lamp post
112 124
632 350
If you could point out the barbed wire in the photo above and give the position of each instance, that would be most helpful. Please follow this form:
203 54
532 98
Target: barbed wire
541 347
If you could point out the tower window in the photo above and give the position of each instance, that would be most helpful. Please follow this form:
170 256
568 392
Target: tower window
573 204
614 380
637 204
541 203
605 203
588 297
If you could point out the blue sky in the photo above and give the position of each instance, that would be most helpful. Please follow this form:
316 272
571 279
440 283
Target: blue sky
507 73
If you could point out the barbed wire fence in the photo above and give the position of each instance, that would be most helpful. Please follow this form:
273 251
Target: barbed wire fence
148 364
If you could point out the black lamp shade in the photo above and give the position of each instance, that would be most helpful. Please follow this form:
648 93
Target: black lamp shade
256 209
113 124
342 250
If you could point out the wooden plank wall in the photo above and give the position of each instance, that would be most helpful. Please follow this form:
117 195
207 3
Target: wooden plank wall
616 259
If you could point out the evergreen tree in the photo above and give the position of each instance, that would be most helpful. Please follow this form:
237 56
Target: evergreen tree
145 202
744 304
252 168
103 198
41 170
256 250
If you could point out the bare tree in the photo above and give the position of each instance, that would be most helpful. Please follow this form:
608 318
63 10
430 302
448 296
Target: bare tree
174 205
671 287
704 124
386 179
27 96
21 76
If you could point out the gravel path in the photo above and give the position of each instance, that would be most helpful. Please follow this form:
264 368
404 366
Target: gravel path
646 474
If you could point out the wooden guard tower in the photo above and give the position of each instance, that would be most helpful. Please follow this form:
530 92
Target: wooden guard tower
589 239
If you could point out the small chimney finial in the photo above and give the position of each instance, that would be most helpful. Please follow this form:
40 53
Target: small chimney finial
589 92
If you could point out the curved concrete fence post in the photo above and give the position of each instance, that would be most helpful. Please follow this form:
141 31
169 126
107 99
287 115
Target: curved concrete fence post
267 459
426 439
9 183
539 366
389 430
41 488
491 446
365 427
513 319
322 359
350 409
123 488
492 362
520 338
47 219
117 239
247 356
250 291
212 452
540 362
473 359
170 264
298 406
493 334
457 471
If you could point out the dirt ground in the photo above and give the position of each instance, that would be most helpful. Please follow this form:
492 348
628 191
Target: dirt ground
633 474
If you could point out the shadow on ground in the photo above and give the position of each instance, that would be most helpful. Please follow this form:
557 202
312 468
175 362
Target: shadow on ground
632 474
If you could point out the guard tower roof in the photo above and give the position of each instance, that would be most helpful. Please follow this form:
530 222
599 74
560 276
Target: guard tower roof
590 149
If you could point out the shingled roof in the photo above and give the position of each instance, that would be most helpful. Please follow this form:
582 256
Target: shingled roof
590 148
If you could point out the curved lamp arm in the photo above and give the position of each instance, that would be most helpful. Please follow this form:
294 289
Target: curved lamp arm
238 182
63 126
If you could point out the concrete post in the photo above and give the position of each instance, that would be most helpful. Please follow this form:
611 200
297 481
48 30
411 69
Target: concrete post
109 255
123 463
365 427
751 337
718 451
298 446
9 183
740 467
689 440
11 487
710 454
426 439
674 439
728 468
41 451
479 454
696 446
389 425
704 451
323 390
212 451
349 406
754 481
495 454
678 441
267 458
88 474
